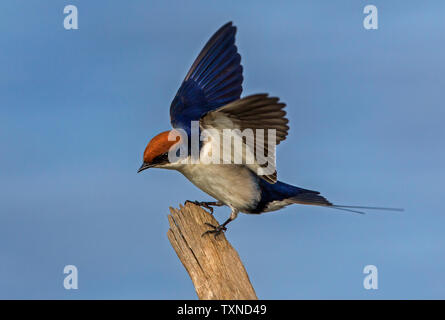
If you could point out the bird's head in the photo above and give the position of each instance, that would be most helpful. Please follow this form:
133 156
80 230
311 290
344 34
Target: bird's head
157 150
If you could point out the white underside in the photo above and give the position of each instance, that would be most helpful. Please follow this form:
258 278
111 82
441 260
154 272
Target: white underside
276 205
233 185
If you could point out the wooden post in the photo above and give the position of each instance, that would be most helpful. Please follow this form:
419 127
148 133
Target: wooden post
213 265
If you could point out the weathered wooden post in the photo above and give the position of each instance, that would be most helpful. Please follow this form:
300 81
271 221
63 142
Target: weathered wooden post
213 264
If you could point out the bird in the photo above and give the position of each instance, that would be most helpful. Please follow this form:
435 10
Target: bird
210 97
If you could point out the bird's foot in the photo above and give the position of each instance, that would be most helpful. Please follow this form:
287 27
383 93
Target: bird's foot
207 205
216 230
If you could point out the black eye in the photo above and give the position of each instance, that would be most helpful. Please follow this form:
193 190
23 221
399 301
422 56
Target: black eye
161 159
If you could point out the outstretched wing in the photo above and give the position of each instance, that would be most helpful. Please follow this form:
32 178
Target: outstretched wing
249 115
214 80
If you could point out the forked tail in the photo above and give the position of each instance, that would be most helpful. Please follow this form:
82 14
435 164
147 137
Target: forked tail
314 198
280 194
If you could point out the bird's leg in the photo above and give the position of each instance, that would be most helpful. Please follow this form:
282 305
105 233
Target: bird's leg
207 205
217 230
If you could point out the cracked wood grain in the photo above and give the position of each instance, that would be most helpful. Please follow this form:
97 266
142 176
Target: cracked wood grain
213 264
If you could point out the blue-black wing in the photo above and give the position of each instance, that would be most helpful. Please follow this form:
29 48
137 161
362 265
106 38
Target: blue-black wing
214 80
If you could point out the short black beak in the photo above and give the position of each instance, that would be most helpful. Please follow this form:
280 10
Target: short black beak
144 166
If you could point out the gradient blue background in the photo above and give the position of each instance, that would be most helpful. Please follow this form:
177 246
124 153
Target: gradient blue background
366 110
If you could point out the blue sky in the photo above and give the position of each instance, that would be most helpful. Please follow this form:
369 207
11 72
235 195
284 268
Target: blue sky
77 108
